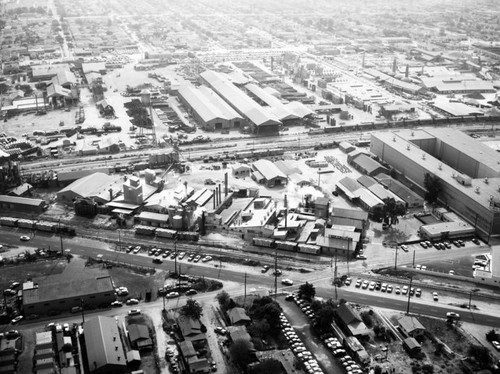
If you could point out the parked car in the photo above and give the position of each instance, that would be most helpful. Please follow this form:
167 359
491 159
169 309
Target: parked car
453 315
9 292
287 282
435 296
132 301
137 249
197 258
116 304
191 292
134 312
277 272
157 261
24 238
348 281
476 241
16 320
264 269
221 331
404 247
207 259
172 295
496 344
358 283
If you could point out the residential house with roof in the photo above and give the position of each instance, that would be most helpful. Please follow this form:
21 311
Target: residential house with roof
105 353
191 360
238 317
351 321
411 326
138 335
191 329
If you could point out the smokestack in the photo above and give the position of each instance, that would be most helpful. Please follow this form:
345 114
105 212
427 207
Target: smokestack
220 193
110 194
407 72
213 198
225 184
216 197
394 65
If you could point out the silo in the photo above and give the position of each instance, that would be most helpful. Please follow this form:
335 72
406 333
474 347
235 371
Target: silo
177 222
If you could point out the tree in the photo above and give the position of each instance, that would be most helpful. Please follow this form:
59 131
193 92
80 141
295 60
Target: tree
307 291
241 353
4 88
491 335
266 366
192 309
481 354
67 348
433 187
223 298
325 316
26 88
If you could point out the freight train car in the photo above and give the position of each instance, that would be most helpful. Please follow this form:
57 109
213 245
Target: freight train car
286 246
145 230
307 248
264 242
8 221
26 223
188 235
45 226
166 233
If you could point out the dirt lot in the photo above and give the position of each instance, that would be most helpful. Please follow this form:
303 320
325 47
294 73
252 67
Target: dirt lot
22 272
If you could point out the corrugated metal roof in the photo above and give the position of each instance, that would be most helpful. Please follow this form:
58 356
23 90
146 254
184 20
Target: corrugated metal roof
21 200
268 169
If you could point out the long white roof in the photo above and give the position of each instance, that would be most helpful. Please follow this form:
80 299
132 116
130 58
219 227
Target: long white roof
239 100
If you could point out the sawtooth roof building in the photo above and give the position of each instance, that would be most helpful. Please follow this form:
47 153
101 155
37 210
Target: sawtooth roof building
259 118
210 111
468 170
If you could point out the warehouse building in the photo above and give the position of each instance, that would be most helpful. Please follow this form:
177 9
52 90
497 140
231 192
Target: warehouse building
209 110
261 121
265 172
105 353
22 204
412 199
99 186
61 293
457 84
468 171
358 194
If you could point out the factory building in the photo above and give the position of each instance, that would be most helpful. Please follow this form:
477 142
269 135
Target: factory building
209 110
261 120
99 186
468 171
265 172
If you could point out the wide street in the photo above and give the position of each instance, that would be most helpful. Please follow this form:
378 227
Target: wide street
235 273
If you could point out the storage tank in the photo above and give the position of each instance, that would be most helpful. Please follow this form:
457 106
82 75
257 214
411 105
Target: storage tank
177 222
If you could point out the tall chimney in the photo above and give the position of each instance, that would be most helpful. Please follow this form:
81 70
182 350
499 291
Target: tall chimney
394 65
407 72
225 184
216 197
213 197
220 193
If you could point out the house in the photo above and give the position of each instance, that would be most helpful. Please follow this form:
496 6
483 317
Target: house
21 191
191 360
350 319
241 170
238 317
410 326
411 345
105 109
191 329
138 335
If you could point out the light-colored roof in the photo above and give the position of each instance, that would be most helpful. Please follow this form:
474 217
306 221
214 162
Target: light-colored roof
48 70
239 100
277 107
457 84
457 109
95 67
96 184
409 324
268 169
21 200
56 90
103 343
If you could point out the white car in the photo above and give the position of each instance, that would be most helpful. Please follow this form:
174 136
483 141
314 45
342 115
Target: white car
287 282
172 295
24 238
132 301
496 345
453 315
435 296
207 259
16 320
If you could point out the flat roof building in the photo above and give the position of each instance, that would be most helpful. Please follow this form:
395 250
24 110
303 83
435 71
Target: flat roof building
468 170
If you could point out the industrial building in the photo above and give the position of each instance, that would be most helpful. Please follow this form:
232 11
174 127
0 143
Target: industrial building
209 110
358 194
99 186
265 172
105 353
58 293
22 204
467 169
259 118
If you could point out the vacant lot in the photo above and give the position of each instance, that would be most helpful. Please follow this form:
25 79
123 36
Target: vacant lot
23 272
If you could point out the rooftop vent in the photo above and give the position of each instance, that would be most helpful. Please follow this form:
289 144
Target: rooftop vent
423 156
440 166
407 147
476 190
393 138
486 180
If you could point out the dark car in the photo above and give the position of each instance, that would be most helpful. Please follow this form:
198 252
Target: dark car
157 261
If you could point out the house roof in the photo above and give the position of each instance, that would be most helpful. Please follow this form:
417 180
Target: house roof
138 332
409 324
22 200
20 190
356 214
411 343
187 349
102 340
56 90
347 314
366 163
190 328
237 315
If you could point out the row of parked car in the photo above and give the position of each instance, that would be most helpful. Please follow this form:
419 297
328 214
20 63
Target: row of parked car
332 343
388 288
298 348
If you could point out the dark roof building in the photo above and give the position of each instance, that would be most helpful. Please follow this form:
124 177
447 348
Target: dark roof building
366 165
351 319
105 353
411 326
238 316
138 335
22 204
190 329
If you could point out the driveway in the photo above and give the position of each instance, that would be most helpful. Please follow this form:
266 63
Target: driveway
300 323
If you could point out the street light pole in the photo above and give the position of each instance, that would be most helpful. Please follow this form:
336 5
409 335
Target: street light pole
396 259
411 281
470 296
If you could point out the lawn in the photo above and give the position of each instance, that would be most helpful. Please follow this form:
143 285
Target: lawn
24 271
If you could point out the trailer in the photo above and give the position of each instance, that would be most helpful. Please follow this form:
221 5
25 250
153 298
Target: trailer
188 236
8 221
145 230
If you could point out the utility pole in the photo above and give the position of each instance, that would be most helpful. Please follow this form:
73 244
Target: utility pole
119 240
245 297
335 276
276 272
60 237
411 281
83 311
396 259
348 253
470 296
175 258
286 211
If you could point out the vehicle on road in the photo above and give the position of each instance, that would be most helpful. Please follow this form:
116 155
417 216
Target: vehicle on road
116 304
496 344
277 272
191 292
361 257
132 301
287 282
157 261
264 269
435 296
220 330
172 295
207 259
24 238
453 315
134 312
16 320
